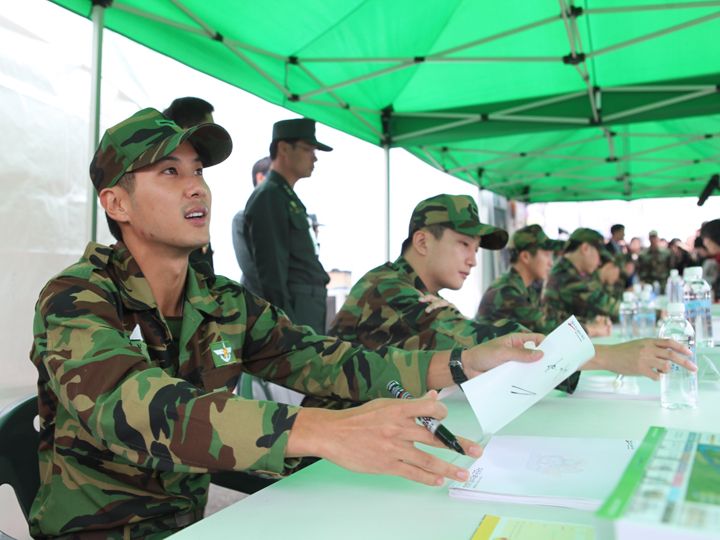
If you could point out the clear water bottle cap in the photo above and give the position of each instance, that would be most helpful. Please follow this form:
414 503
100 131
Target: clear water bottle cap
647 287
676 308
637 287
692 273
674 272
646 295
628 296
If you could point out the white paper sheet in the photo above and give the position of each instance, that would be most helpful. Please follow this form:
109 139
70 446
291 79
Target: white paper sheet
556 471
503 393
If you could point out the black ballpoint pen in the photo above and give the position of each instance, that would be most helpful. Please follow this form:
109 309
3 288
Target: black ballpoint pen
433 425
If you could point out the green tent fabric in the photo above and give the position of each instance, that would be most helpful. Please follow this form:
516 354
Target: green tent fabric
539 101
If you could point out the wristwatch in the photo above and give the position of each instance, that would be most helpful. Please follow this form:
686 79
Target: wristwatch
456 366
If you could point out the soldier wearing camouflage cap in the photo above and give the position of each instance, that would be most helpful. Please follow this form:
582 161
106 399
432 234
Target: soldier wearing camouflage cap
138 355
654 261
573 290
511 296
387 305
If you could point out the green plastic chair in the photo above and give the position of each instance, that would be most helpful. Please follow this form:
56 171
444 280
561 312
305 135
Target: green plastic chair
19 450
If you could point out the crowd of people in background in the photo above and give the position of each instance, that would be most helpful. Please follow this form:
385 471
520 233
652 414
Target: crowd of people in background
652 264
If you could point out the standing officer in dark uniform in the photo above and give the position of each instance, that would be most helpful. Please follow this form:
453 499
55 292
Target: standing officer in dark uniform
277 229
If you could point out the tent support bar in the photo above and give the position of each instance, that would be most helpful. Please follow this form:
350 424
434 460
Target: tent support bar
541 103
659 104
652 7
386 149
98 21
660 88
355 80
496 37
192 30
541 119
435 129
342 103
652 35
431 159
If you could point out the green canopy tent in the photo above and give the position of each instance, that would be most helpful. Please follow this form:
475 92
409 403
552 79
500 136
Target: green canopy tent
539 101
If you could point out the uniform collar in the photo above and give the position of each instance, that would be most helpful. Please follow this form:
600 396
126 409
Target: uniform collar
566 265
403 265
277 179
135 290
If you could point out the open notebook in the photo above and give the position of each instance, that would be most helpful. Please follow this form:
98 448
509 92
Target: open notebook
555 471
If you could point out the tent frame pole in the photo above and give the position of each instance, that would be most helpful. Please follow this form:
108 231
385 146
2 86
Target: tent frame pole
98 21
386 149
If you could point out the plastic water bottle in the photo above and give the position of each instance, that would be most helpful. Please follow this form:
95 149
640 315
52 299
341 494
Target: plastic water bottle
698 297
628 316
678 387
674 287
646 316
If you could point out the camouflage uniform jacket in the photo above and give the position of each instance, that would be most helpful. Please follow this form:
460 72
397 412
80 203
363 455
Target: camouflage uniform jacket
568 292
654 265
509 298
383 309
131 423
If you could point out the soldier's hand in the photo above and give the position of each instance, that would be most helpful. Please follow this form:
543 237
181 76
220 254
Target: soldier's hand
599 327
434 302
378 437
648 357
500 350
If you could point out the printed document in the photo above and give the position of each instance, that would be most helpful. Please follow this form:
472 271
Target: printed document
505 392
556 471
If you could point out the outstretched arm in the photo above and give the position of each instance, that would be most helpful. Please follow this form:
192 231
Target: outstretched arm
378 437
648 357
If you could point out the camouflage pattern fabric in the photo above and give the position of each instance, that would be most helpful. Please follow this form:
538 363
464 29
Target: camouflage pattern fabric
460 213
533 236
146 137
131 423
383 309
654 265
509 298
568 292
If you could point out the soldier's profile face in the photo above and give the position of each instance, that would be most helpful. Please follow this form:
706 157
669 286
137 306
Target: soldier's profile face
302 158
540 264
169 207
450 259
591 258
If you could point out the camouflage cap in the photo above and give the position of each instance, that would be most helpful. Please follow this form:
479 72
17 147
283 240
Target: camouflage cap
459 213
533 236
593 238
148 136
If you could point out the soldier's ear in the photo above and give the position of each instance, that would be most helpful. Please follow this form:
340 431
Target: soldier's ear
419 241
113 201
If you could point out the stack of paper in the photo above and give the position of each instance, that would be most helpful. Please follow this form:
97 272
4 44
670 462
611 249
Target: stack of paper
669 491
555 471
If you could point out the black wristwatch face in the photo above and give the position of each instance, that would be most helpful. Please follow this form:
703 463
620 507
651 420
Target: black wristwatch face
456 367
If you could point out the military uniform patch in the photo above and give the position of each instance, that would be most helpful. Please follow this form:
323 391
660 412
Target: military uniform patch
221 353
